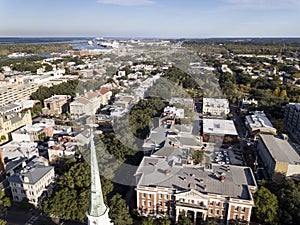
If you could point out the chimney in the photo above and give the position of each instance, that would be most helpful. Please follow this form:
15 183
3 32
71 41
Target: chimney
167 172
222 178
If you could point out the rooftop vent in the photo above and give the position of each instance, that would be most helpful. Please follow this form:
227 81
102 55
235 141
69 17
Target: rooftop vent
192 186
284 137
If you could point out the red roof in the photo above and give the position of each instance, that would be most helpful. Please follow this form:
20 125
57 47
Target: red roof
104 90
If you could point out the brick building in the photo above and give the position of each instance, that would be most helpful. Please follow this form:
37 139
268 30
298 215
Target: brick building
166 186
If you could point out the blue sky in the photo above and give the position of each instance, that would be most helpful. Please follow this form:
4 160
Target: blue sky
150 18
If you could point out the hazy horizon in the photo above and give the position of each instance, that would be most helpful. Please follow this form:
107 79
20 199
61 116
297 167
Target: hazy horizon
150 18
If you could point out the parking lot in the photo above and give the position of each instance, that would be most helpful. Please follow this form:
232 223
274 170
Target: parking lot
225 155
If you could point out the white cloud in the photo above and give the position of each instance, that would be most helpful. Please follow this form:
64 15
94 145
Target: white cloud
127 2
265 4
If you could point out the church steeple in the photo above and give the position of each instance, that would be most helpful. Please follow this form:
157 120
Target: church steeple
98 212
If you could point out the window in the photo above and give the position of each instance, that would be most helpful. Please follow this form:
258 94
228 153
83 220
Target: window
160 196
144 203
211 211
149 204
144 195
160 203
242 217
217 212
149 195
218 203
236 208
243 209
166 204
211 203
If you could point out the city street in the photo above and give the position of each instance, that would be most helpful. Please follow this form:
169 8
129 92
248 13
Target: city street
244 140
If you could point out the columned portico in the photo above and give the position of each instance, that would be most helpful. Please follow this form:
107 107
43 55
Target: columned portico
197 214
191 202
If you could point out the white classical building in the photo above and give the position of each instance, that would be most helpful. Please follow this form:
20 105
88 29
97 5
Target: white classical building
215 107
85 105
33 183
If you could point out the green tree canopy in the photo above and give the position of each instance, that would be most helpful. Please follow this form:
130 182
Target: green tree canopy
3 222
266 206
184 220
158 221
118 212
66 88
4 201
71 198
288 195
148 221
197 156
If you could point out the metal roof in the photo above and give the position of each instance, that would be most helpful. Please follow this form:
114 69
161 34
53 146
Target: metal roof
164 172
33 174
281 150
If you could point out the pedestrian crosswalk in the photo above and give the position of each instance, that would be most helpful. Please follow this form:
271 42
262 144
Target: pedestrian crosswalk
32 220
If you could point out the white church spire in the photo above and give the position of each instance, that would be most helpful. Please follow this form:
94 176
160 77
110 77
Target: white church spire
98 212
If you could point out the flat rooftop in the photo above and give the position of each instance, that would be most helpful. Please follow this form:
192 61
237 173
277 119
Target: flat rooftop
219 127
152 172
31 128
281 150
218 101
14 150
259 120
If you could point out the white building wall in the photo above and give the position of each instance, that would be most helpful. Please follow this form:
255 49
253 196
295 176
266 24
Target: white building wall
31 191
293 170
